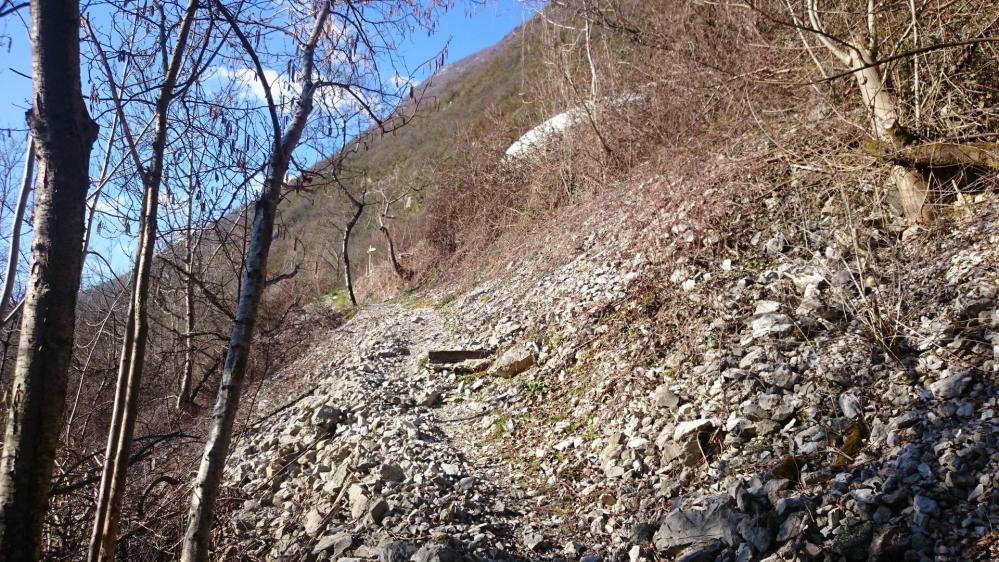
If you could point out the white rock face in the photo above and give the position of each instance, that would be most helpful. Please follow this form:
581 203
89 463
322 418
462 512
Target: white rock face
539 135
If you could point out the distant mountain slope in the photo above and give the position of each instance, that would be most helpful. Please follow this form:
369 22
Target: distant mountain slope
463 101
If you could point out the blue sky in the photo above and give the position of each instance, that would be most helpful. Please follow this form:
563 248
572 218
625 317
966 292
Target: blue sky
468 30
464 29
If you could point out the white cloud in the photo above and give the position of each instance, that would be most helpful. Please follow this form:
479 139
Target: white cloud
283 89
400 81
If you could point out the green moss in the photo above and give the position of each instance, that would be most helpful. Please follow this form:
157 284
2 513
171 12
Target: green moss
534 389
336 298
416 301
499 426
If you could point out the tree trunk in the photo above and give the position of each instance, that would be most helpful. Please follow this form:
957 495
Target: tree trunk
105 534
197 537
913 190
13 252
64 134
184 398
348 278
882 108
403 273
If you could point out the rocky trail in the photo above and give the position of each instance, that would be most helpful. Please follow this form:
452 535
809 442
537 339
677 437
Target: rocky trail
616 407
382 458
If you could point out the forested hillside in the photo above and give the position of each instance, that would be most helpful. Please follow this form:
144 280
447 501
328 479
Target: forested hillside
645 280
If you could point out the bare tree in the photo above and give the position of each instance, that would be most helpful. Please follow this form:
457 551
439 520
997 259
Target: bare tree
63 134
14 248
357 204
112 488
388 201
197 537
860 56
353 39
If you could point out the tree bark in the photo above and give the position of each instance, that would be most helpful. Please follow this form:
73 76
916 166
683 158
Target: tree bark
105 534
348 278
882 108
937 154
64 135
197 537
184 398
14 251
403 273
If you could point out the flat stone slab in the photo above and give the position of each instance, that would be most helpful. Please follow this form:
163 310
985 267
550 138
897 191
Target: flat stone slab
449 356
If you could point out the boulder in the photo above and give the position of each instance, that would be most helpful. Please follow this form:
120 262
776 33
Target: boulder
951 387
684 527
325 418
337 544
514 361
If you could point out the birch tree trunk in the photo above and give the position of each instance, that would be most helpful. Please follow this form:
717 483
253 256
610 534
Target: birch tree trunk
113 478
197 537
63 134
13 252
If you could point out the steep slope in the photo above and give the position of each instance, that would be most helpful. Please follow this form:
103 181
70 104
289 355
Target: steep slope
477 95
741 405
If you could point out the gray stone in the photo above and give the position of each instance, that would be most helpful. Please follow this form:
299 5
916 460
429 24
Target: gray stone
684 429
436 553
663 397
391 473
396 551
377 510
925 505
951 387
358 501
313 522
533 540
338 543
514 361
792 525
573 549
810 439
683 527
705 551
431 399
335 483
757 536
466 484
326 418
771 324
642 533
853 543
849 405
